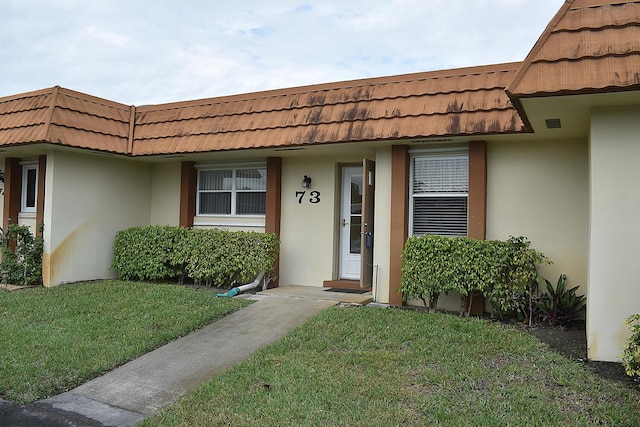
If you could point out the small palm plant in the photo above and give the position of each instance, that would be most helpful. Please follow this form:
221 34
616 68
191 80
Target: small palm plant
562 306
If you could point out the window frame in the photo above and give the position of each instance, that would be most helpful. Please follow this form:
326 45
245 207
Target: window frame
444 154
24 189
234 168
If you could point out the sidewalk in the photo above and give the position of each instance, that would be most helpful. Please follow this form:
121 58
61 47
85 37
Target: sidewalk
141 387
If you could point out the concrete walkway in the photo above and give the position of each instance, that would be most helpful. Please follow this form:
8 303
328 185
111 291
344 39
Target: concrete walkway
141 387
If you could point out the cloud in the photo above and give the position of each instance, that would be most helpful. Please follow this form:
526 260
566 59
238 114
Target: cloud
106 36
159 51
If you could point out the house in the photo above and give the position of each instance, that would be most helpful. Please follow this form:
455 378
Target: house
343 172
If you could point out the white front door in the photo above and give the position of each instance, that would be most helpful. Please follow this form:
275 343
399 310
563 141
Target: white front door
351 223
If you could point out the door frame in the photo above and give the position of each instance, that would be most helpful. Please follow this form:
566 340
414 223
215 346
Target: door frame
345 256
367 224
368 216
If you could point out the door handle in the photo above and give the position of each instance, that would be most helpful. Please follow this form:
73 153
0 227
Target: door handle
344 222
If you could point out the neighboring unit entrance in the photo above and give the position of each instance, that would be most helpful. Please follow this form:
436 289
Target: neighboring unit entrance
356 223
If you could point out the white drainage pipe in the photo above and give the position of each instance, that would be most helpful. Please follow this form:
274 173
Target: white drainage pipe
238 289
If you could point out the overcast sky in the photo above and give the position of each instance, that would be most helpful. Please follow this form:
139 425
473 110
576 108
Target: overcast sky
152 51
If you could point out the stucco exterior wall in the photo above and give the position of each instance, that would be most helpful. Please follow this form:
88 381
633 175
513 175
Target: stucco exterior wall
614 289
308 230
382 226
28 219
88 199
165 194
540 190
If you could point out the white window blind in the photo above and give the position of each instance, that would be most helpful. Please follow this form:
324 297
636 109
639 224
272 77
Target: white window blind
232 191
439 193
439 174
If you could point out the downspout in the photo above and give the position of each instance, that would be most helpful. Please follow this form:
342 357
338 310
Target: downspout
238 289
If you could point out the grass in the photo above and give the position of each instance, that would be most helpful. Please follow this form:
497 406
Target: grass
366 366
55 339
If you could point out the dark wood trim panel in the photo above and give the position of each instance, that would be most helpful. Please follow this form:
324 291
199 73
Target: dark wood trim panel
188 190
42 173
399 218
477 190
273 208
345 284
12 191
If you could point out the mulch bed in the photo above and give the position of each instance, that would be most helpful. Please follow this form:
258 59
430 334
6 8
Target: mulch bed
572 343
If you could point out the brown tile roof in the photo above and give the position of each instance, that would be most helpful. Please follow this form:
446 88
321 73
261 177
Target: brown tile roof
65 117
469 101
590 46
460 102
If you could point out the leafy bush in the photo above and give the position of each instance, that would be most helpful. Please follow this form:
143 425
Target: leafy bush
631 351
146 253
434 265
213 257
21 256
514 292
561 306
501 271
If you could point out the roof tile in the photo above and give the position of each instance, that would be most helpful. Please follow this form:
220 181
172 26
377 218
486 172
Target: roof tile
61 116
590 46
463 102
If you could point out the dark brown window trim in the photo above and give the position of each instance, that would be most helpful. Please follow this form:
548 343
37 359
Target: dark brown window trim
399 218
477 206
188 189
273 211
12 191
400 175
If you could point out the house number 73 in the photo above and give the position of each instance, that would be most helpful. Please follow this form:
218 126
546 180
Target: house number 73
314 196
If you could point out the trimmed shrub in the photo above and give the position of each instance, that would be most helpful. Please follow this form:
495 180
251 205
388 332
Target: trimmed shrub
146 253
513 290
214 257
434 265
501 271
223 258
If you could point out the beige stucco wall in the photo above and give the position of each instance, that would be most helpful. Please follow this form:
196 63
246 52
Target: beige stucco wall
165 194
382 226
28 219
540 190
88 199
308 230
614 289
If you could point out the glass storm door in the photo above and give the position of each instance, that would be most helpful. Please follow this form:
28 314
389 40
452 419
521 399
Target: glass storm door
351 223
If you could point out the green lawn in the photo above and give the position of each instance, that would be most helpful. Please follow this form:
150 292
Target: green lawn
389 367
52 340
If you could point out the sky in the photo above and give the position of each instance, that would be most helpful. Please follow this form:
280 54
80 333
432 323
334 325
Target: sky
140 52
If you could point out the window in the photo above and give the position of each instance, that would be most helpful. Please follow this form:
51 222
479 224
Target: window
439 194
240 191
29 187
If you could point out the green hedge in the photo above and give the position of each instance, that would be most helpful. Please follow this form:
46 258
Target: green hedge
21 256
500 270
214 257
